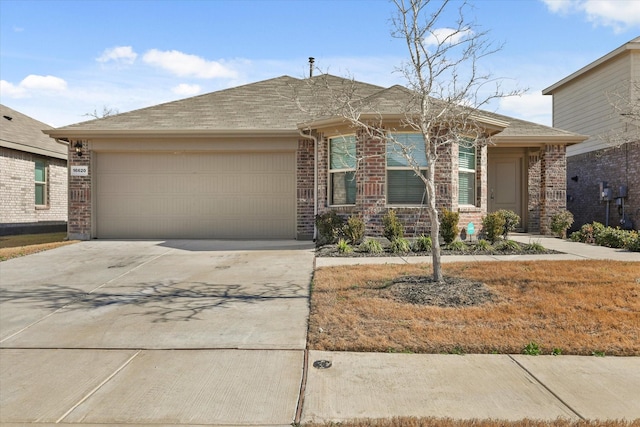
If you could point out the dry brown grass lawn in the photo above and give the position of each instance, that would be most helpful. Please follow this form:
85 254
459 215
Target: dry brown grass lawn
444 422
16 246
577 307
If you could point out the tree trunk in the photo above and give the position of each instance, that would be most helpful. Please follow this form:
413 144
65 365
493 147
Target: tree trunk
435 226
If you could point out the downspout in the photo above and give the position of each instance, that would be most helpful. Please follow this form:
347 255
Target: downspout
315 178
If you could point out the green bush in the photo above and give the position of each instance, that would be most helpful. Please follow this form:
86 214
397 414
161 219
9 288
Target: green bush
344 247
508 246
588 233
400 246
535 247
354 229
483 245
612 238
634 242
392 227
511 221
422 244
493 226
561 222
371 246
457 245
449 225
329 226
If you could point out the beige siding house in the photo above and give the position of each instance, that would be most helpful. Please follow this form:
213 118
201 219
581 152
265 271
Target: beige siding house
248 163
602 100
33 176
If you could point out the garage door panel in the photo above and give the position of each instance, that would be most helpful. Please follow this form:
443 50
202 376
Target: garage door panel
203 195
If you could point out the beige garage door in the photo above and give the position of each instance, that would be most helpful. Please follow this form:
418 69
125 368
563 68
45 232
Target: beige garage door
198 195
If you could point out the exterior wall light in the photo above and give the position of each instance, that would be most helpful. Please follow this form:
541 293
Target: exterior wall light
78 147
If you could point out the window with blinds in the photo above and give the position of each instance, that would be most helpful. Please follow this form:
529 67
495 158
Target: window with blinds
342 170
40 183
404 187
466 174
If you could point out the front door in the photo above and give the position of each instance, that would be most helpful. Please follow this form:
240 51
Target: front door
506 179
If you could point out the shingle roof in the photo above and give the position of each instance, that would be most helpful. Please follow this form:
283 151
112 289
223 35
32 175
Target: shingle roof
23 133
265 105
275 104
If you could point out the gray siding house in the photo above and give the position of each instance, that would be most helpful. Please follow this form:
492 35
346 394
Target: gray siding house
33 176
602 100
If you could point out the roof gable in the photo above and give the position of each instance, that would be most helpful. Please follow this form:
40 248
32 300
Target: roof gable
21 132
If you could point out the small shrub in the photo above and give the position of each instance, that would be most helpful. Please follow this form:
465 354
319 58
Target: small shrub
422 244
508 246
493 226
483 245
633 244
400 246
449 225
557 351
354 229
458 246
371 246
392 227
598 353
532 349
511 221
329 225
561 222
535 247
611 238
344 246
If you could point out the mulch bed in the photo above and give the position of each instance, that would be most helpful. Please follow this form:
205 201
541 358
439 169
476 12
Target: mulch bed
453 292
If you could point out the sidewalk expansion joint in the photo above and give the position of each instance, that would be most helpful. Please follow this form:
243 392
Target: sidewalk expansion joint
561 400
303 387
92 392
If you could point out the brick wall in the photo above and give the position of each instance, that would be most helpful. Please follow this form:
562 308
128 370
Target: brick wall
17 186
618 166
79 226
304 188
371 188
553 184
534 180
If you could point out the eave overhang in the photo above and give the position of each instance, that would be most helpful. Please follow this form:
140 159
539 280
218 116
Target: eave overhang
537 140
72 134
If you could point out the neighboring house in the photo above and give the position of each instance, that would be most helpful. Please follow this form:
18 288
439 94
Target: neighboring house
33 176
602 100
247 163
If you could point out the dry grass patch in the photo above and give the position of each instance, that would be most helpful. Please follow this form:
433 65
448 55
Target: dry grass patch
572 307
446 422
26 244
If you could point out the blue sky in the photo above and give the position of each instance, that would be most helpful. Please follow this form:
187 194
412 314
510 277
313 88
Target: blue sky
60 60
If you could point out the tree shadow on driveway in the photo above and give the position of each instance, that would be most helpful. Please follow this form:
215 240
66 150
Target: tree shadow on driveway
163 301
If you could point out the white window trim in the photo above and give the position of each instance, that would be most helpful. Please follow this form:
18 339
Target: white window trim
334 171
44 184
402 168
475 179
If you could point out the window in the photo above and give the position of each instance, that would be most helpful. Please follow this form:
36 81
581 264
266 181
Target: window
466 173
41 183
342 170
404 187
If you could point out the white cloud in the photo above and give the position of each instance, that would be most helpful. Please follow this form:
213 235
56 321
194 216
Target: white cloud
620 15
31 84
184 89
185 65
446 35
533 107
119 54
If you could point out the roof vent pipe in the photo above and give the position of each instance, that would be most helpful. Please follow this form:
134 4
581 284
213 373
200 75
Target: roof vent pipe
311 61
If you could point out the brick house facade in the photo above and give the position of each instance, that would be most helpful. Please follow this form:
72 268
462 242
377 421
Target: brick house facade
273 126
33 177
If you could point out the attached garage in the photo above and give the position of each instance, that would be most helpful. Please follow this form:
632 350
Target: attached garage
212 195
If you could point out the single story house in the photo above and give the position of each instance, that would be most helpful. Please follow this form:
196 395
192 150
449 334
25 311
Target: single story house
602 100
247 163
33 176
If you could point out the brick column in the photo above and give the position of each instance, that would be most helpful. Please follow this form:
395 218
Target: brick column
553 185
370 181
79 222
534 181
304 189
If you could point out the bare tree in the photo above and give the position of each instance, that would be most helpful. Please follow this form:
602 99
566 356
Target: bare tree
625 108
106 112
446 87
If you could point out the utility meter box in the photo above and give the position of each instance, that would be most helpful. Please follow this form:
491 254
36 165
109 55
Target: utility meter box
606 194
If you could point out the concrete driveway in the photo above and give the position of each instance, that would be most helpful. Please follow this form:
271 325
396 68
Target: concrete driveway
155 332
